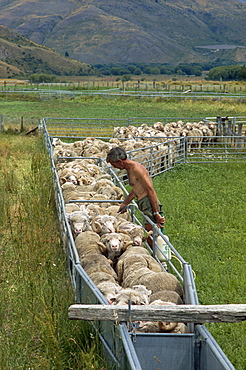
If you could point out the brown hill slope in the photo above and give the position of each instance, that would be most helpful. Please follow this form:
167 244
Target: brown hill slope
104 31
19 56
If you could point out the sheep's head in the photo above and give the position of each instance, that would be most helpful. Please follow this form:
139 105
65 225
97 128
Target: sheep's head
136 297
79 221
103 224
137 235
109 290
113 242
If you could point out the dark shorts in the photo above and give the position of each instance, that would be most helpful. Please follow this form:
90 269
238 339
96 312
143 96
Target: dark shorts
145 206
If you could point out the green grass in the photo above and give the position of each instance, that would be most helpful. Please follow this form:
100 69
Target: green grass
35 287
204 206
98 107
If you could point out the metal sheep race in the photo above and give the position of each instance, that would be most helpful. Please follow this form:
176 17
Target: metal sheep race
123 345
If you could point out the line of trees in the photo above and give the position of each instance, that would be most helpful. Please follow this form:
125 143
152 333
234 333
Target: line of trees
127 72
137 69
216 72
228 73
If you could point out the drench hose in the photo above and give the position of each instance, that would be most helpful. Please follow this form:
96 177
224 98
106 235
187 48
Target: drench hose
162 244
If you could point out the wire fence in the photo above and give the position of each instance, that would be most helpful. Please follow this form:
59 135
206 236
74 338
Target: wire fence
48 94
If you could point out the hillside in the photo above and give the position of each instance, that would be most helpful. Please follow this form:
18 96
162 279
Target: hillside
19 56
104 31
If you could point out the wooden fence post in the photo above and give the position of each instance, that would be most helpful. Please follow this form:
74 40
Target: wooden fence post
1 122
22 124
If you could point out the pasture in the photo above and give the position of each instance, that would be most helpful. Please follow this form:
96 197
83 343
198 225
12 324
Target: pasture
204 206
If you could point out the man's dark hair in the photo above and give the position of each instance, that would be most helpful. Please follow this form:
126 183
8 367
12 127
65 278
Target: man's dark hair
115 154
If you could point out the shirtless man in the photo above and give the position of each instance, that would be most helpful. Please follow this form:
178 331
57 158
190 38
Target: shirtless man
141 183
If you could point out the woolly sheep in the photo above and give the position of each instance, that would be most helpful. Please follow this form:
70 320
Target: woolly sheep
138 295
136 232
166 296
161 326
109 289
104 224
100 277
135 264
97 262
113 211
157 281
114 243
71 207
87 243
79 222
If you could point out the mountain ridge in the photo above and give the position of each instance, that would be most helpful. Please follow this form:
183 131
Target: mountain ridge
105 31
20 56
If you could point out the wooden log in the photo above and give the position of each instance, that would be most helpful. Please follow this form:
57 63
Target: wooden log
177 313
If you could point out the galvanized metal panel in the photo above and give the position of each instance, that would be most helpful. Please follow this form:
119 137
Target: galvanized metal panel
211 355
165 351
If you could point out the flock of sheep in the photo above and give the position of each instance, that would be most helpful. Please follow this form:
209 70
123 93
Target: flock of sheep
156 147
110 246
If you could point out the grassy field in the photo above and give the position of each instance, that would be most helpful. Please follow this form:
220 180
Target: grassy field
204 207
35 286
116 108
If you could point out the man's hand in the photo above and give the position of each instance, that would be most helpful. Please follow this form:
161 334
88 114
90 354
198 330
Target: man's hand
160 220
122 209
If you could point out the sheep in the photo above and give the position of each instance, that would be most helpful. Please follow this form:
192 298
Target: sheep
94 210
68 176
97 262
134 264
56 141
113 211
136 232
157 281
114 243
76 195
109 289
195 137
101 277
166 296
154 280
111 192
79 222
138 295
59 151
161 326
104 224
71 207
88 242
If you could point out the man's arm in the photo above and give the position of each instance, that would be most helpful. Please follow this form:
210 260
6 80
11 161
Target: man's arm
146 182
127 200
